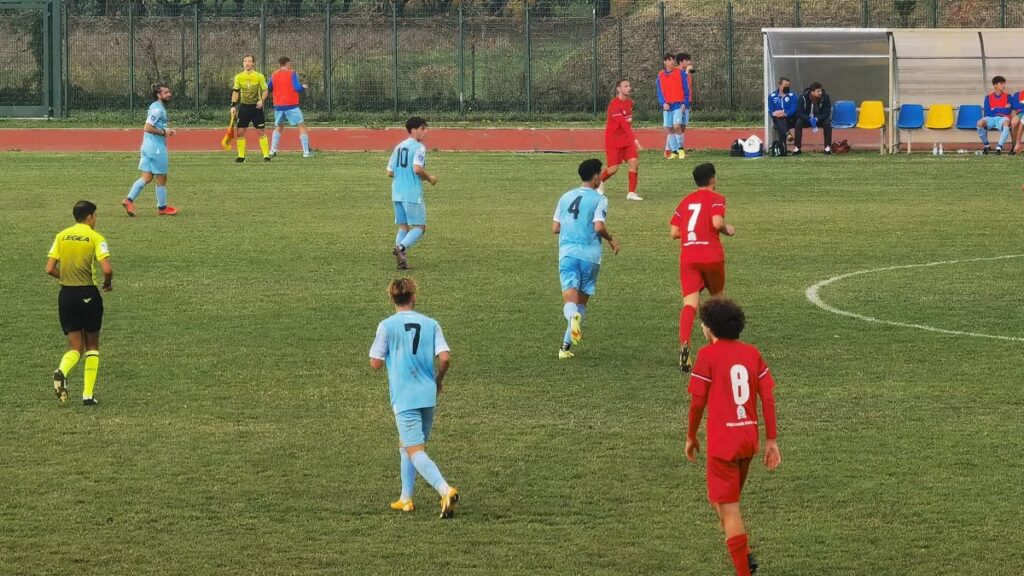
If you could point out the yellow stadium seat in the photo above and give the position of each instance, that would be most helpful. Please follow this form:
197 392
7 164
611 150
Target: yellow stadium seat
940 117
872 115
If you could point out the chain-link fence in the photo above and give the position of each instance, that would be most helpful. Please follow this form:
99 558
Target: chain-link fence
453 58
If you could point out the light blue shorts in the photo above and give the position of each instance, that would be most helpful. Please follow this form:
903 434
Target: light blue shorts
578 274
672 118
410 213
293 116
153 161
996 122
414 426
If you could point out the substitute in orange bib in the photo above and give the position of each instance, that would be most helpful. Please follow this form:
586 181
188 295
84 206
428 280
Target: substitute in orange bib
286 87
998 111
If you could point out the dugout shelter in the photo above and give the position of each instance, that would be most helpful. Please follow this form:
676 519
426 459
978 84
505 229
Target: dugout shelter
929 67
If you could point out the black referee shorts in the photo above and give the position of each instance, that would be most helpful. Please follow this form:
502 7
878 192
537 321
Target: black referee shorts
80 308
250 114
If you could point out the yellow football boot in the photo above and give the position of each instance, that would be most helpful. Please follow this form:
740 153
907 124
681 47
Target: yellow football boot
575 330
403 505
448 503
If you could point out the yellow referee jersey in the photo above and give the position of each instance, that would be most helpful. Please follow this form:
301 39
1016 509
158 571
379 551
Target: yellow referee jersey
251 86
78 248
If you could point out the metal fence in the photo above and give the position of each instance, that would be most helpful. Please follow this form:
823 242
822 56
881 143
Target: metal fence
457 58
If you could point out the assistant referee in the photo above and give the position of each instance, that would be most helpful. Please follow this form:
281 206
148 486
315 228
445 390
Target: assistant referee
248 93
72 260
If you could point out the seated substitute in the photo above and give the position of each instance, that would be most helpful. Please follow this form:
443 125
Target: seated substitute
814 110
782 105
998 111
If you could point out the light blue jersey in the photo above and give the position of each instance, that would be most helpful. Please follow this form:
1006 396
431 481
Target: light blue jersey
157 117
577 211
408 343
407 186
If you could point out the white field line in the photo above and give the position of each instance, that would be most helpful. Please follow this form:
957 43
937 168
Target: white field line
812 295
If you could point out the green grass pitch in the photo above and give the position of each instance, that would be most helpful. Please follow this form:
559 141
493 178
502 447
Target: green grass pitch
242 432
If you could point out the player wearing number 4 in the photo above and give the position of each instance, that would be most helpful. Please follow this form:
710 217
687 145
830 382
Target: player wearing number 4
407 168
408 342
579 222
727 378
697 222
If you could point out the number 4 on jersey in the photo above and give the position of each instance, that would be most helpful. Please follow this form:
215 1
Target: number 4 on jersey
574 208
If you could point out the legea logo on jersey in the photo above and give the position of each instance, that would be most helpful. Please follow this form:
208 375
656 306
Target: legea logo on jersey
76 238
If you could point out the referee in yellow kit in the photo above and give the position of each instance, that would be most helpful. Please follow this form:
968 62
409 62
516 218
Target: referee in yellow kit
72 260
248 94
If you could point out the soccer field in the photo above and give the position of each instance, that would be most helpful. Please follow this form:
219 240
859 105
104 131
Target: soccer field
241 431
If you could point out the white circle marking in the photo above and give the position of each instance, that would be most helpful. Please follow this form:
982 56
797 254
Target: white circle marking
812 295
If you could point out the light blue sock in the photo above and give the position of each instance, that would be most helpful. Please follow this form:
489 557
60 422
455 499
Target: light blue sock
136 189
408 476
681 140
400 236
426 467
1005 134
304 138
411 238
161 196
274 140
670 143
582 309
983 134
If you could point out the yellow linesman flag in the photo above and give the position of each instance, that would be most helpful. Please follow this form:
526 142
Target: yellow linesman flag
229 134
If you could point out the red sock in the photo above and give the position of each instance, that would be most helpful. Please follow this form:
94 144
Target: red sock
686 316
605 175
632 182
738 550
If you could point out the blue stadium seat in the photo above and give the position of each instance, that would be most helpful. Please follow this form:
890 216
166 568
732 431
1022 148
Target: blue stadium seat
844 114
911 117
967 117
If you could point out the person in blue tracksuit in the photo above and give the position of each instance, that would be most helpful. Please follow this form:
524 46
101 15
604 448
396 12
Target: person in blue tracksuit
782 109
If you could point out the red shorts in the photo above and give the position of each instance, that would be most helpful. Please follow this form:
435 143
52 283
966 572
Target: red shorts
617 156
726 479
696 277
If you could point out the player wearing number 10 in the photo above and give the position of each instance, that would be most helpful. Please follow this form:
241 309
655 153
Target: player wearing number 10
407 166
579 222
408 342
728 377
697 222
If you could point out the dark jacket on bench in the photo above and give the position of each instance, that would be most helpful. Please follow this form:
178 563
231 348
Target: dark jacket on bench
822 110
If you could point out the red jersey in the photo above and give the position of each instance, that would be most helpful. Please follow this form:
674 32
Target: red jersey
730 375
618 132
694 216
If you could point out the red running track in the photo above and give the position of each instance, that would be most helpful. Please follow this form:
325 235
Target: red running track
359 139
